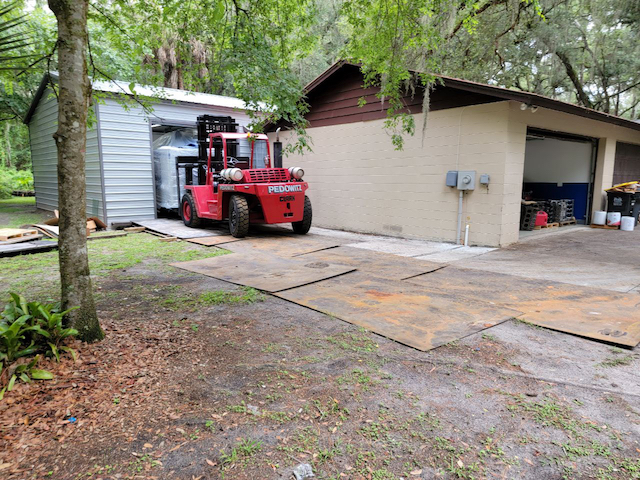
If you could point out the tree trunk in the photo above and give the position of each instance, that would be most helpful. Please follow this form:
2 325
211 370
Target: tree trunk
71 140
7 141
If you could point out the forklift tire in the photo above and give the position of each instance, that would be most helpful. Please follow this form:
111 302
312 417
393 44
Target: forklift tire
304 225
188 212
238 216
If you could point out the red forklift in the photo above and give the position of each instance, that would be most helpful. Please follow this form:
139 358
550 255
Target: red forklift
237 182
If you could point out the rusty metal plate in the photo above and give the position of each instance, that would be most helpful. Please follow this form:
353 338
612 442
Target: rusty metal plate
409 314
383 265
585 311
264 272
282 245
214 240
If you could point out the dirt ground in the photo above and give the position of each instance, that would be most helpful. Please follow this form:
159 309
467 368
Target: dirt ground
198 379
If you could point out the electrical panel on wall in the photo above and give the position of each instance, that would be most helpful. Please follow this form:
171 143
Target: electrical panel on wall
452 178
466 180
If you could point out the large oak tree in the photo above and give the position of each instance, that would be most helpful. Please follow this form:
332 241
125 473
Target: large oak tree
74 94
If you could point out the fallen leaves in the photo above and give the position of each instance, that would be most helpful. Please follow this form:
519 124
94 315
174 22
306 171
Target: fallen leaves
110 392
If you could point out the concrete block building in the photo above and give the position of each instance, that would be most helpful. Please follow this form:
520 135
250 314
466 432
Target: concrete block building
523 141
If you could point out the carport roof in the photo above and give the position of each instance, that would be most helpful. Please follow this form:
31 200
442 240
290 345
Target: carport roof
169 94
499 93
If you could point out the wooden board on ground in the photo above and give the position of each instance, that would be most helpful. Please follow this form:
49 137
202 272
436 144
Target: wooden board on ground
105 235
214 240
605 227
585 311
283 245
175 228
264 272
29 238
12 233
379 264
47 230
36 246
403 312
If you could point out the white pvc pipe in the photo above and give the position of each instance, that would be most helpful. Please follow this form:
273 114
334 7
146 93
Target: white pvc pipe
466 235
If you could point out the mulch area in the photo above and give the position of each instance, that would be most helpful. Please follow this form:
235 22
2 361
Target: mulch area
112 396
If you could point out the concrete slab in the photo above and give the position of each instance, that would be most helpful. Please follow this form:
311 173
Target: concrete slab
264 272
404 247
455 254
406 313
536 235
587 271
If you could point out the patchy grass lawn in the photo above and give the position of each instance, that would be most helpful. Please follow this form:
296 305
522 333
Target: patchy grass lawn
201 379
39 274
17 211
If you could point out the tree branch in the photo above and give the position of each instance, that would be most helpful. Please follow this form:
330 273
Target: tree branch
573 76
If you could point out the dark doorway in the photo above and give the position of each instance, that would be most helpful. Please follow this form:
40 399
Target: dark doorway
627 165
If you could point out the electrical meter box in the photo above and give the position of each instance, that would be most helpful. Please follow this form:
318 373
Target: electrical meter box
466 180
452 178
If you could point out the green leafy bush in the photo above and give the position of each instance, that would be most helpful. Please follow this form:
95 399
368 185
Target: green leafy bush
27 328
6 184
11 180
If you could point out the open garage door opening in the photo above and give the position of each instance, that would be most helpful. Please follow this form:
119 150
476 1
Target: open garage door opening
170 142
557 182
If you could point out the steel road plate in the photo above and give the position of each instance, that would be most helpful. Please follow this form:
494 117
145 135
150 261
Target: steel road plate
264 272
585 311
282 245
383 265
407 313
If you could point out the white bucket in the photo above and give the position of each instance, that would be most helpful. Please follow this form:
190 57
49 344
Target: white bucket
599 217
613 219
627 224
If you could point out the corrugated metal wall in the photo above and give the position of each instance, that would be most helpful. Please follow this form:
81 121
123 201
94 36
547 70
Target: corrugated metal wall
119 155
44 156
127 155
43 125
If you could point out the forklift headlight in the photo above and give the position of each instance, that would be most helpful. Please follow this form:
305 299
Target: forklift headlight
296 172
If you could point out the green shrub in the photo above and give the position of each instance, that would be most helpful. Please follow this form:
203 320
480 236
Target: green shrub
6 184
27 328
11 180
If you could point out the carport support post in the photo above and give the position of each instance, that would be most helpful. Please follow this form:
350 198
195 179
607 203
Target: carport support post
605 162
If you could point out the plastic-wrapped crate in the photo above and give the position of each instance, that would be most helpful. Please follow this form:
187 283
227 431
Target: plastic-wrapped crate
166 149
